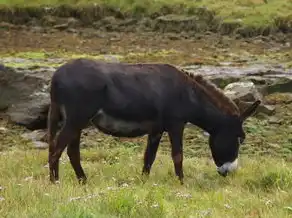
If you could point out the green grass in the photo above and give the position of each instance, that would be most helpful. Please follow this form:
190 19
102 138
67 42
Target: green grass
252 13
262 187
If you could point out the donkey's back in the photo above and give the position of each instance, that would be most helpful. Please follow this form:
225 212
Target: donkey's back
129 91
120 99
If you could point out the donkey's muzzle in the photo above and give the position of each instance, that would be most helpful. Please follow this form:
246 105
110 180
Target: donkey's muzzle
223 173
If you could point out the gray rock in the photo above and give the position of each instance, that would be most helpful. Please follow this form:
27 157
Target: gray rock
271 78
61 26
3 129
266 109
262 109
275 120
243 91
40 145
244 94
36 135
24 96
38 138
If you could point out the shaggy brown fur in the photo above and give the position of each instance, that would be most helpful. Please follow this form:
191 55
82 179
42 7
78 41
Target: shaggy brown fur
216 95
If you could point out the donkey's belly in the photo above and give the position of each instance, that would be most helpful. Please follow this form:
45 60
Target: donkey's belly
120 128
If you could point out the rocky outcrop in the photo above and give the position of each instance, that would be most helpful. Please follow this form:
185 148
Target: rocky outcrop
24 96
244 94
243 91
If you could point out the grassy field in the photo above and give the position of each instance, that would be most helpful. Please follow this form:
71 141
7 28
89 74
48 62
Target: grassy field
248 13
260 188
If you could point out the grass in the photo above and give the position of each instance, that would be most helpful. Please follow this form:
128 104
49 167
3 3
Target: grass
260 188
249 13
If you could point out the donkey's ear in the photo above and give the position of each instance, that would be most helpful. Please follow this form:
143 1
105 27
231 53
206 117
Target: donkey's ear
250 110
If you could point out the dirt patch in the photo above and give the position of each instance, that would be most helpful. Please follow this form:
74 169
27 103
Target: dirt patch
207 48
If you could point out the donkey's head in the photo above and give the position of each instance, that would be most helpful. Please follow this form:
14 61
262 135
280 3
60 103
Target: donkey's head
226 133
224 142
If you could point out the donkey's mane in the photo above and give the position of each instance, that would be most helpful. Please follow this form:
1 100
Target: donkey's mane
215 94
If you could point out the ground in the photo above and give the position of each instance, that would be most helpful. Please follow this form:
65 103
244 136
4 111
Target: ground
260 188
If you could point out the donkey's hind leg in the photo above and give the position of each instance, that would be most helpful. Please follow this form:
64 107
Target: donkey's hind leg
150 152
66 136
73 151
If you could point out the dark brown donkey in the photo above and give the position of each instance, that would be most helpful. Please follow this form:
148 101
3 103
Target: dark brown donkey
131 100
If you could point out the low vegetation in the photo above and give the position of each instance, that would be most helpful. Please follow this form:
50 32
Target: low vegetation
248 17
260 188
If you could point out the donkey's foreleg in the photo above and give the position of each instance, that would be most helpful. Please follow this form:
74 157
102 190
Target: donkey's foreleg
175 136
150 152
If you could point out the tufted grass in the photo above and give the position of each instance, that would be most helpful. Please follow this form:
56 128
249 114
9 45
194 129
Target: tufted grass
262 187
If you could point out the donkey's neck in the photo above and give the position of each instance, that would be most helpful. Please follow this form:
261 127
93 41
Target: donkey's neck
209 117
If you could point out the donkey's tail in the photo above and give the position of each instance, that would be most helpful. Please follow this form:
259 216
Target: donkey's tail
53 120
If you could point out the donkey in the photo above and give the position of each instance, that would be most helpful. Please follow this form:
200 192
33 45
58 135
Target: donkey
132 100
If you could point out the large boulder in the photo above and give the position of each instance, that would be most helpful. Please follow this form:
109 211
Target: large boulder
243 91
24 95
244 94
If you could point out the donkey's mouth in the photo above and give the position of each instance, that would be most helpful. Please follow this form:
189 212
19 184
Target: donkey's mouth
224 174
227 167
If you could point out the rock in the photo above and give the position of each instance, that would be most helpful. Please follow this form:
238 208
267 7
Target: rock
285 85
24 96
61 26
40 145
272 78
5 25
48 20
32 114
73 22
108 20
3 129
264 109
243 91
38 138
275 120
244 94
36 135
128 22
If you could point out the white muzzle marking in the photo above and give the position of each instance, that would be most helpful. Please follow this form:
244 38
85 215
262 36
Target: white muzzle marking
228 167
